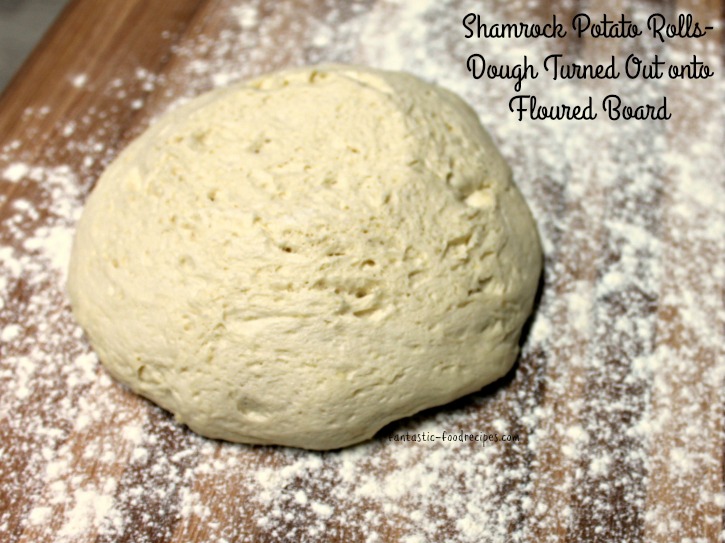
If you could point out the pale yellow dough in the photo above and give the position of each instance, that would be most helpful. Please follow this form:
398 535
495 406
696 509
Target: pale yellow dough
306 257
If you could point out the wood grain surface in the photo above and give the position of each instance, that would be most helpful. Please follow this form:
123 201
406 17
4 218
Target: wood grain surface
618 394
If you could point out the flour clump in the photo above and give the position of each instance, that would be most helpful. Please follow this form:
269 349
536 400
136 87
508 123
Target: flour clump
306 257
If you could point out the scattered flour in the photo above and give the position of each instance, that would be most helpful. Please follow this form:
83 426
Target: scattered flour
15 172
79 80
618 395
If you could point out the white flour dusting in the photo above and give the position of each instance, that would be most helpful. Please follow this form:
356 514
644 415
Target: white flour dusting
15 172
618 396
79 80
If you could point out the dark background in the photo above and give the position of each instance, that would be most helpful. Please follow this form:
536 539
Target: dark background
22 24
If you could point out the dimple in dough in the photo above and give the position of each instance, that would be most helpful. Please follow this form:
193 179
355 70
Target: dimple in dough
303 258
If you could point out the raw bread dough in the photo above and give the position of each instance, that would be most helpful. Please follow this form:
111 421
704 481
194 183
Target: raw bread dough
306 257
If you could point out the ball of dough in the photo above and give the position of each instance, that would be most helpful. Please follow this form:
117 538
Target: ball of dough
306 257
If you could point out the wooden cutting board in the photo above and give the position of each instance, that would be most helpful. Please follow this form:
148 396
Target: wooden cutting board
615 409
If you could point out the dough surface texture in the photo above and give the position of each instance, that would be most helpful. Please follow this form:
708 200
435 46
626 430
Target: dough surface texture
303 258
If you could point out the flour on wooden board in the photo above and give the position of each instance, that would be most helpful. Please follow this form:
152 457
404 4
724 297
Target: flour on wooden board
628 335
